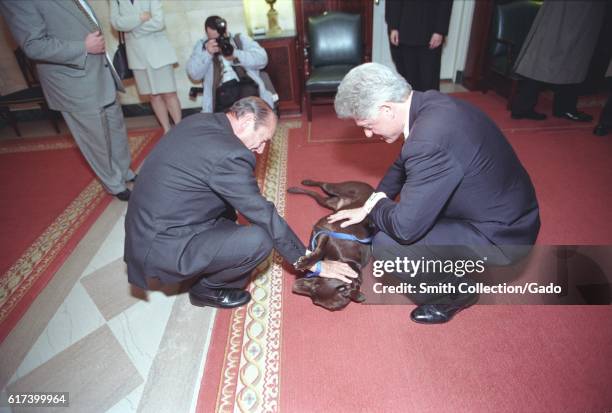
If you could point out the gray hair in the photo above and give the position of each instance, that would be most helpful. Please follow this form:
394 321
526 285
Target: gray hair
366 87
252 105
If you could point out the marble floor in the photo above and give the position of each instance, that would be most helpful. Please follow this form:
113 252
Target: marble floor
88 333
113 348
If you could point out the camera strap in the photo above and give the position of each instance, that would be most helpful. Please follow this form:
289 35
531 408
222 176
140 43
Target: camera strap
238 68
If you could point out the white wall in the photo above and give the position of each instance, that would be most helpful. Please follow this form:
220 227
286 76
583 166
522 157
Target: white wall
381 52
256 14
457 41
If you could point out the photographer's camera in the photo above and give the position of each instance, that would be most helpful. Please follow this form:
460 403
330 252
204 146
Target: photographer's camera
223 41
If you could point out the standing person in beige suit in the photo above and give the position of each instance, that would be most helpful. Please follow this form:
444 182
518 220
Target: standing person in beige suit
150 54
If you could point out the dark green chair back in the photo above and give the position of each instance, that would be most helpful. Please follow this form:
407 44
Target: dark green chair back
335 39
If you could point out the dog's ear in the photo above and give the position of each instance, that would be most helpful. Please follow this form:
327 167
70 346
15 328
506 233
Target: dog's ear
303 286
357 296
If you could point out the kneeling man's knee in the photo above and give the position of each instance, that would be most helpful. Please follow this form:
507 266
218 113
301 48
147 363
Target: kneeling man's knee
382 246
259 241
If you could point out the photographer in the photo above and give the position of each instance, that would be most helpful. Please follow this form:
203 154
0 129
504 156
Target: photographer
228 66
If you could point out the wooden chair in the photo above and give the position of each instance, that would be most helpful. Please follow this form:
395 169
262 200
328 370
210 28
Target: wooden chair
32 95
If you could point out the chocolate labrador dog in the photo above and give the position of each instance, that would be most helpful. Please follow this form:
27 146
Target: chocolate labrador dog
330 241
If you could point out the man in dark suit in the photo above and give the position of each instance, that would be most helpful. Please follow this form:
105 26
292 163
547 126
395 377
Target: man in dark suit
181 218
416 33
463 191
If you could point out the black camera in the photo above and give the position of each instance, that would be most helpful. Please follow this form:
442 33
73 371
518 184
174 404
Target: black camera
223 41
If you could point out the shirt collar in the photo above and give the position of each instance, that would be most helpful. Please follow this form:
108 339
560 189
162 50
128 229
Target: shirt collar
407 125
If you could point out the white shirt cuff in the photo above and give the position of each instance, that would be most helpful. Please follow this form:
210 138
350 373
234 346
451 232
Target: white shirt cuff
373 200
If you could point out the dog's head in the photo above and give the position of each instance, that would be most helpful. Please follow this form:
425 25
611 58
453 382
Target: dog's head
329 293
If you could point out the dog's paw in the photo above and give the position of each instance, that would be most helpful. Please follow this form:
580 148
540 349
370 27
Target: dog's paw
301 264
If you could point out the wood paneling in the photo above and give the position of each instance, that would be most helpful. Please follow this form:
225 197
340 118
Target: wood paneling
473 74
284 71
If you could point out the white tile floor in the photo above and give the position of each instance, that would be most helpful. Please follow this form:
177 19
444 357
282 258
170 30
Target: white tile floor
139 329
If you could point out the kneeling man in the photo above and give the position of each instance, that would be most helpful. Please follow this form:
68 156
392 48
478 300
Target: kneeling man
463 193
181 218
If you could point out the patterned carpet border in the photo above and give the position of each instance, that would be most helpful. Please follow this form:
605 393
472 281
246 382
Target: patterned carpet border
250 376
18 280
36 146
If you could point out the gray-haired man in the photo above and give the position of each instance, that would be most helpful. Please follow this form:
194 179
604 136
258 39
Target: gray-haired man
463 191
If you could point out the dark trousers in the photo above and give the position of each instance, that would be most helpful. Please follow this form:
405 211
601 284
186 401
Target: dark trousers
565 96
605 118
232 91
241 249
419 65
447 240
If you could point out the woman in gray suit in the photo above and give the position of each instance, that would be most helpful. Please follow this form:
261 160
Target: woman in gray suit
150 54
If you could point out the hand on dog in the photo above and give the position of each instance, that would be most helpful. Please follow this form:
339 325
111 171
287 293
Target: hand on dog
352 216
338 270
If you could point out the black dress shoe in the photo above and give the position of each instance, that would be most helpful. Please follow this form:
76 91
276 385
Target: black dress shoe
601 130
532 114
441 313
576 116
220 298
124 195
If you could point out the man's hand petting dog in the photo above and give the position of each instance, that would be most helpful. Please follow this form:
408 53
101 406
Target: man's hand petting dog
336 269
352 216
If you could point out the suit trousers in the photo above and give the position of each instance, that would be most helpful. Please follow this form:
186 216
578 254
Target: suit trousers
102 138
447 240
565 96
419 65
241 249
605 118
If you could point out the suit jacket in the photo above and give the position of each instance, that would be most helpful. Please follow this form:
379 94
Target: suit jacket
146 43
561 41
457 164
53 33
190 179
417 20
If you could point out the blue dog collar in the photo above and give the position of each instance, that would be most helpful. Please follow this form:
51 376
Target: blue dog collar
316 272
337 235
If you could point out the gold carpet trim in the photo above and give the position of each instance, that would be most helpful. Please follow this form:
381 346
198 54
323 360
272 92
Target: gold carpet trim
64 143
23 274
250 380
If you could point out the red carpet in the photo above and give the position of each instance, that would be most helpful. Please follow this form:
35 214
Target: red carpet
491 358
504 358
50 199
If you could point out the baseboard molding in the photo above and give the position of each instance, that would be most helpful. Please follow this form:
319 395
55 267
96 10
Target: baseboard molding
129 111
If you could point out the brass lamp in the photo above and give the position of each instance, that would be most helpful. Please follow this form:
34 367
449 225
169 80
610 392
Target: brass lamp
273 27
